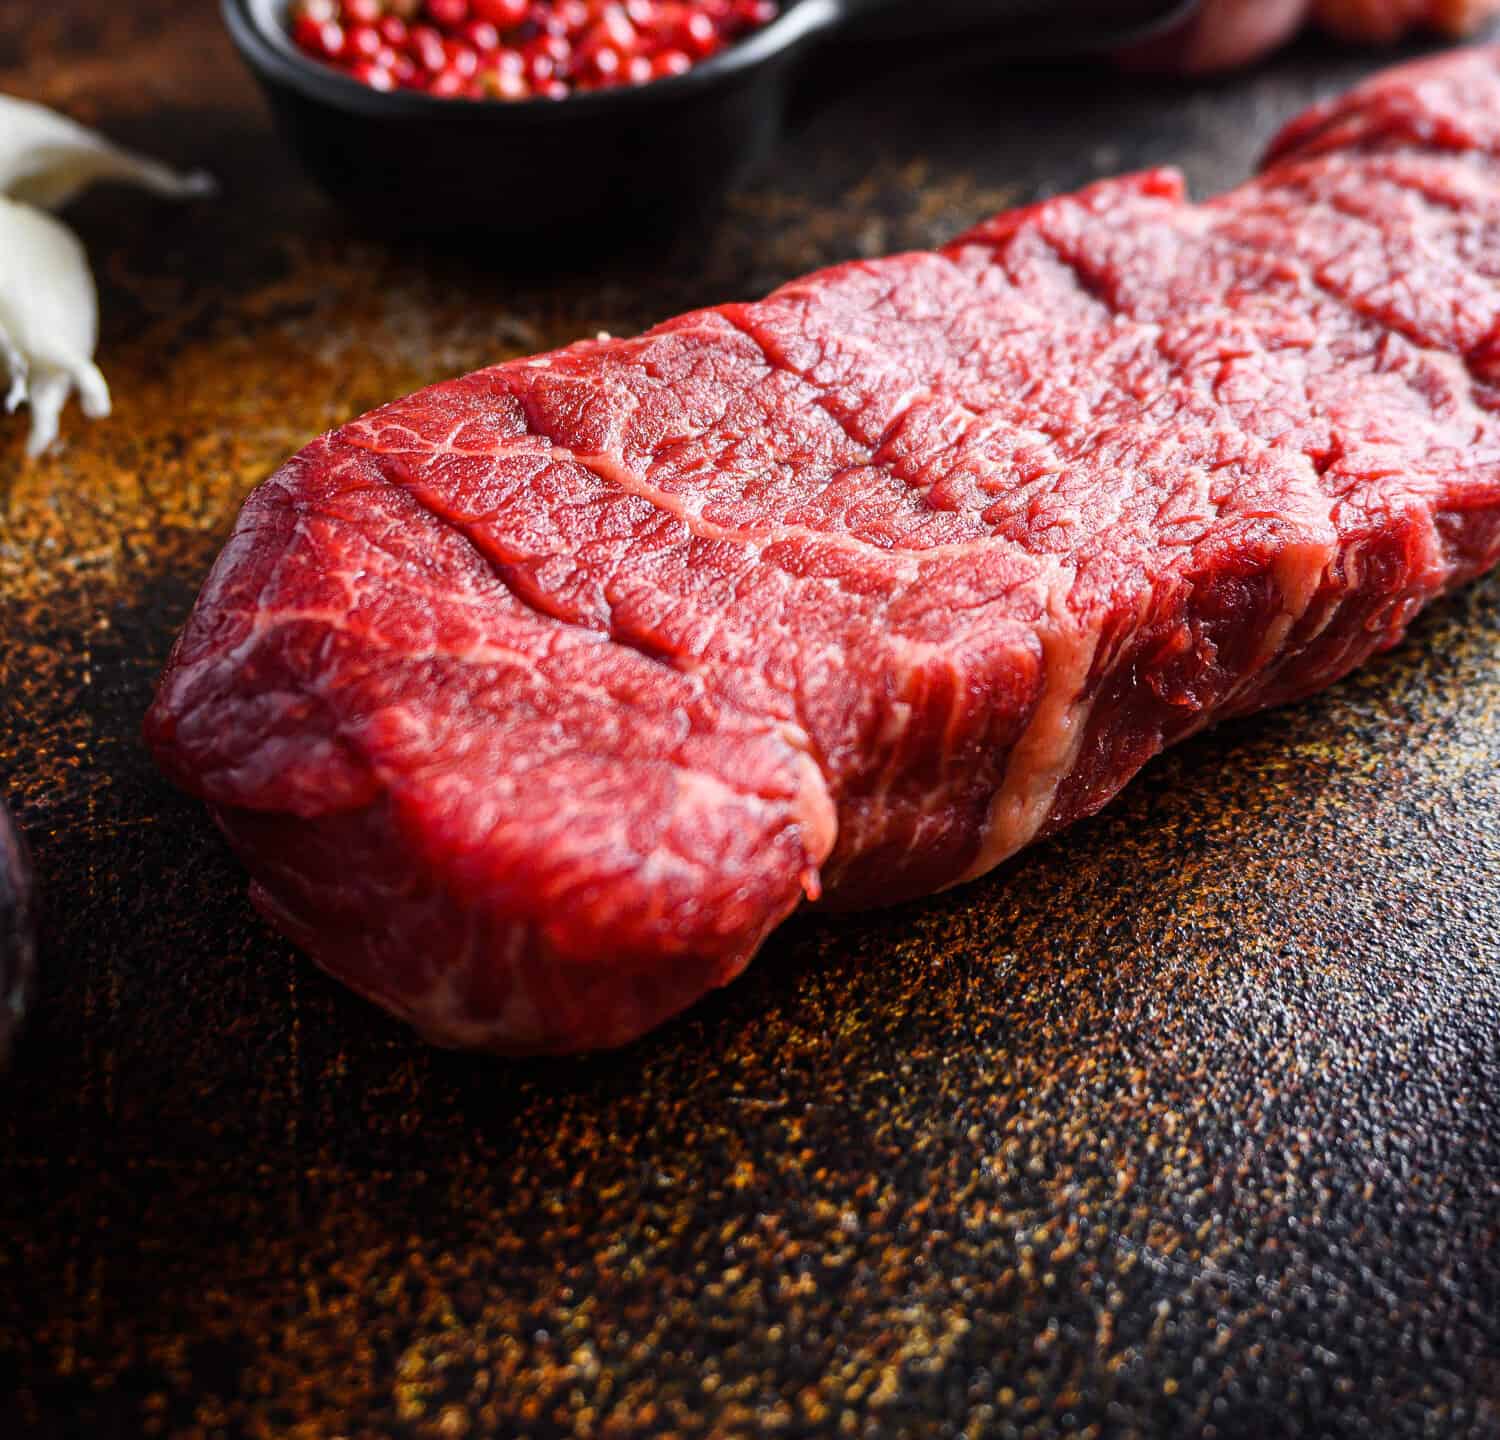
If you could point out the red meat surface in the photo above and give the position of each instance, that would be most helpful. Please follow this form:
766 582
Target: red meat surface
534 701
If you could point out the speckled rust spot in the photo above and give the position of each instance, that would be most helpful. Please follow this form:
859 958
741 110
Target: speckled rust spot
1186 1123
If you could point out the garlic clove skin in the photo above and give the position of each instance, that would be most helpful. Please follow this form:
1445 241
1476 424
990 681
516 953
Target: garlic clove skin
49 320
46 159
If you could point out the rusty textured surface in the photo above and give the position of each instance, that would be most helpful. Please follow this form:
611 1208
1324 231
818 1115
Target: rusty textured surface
1187 1123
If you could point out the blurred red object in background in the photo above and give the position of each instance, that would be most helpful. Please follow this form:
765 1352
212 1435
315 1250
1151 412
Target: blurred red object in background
1225 33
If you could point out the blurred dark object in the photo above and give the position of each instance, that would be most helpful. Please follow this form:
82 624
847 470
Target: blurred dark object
1221 35
1386 21
1224 34
17 936
605 168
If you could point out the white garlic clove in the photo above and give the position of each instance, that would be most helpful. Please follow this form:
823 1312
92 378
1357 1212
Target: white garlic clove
46 159
49 320
49 312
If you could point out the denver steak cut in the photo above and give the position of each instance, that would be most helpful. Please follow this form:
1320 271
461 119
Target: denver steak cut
534 701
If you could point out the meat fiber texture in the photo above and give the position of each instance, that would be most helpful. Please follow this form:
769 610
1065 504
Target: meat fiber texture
533 702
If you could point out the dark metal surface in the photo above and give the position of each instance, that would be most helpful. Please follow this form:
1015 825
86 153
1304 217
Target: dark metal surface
1187 1123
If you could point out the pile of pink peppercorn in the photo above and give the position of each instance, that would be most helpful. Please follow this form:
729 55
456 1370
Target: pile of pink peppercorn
518 49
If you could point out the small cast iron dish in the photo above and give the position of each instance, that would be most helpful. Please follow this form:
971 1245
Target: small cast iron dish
635 157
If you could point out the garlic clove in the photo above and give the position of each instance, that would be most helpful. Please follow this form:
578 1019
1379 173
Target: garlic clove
46 159
49 320
49 312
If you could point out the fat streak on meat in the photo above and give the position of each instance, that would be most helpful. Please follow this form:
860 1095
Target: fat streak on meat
534 701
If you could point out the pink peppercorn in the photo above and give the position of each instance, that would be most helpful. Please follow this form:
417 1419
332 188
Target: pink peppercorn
518 49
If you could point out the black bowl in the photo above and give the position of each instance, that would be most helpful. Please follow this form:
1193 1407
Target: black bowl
600 166
622 158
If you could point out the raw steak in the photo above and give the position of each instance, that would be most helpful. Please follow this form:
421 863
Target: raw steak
534 701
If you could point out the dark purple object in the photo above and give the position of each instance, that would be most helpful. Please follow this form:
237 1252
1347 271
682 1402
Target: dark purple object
17 931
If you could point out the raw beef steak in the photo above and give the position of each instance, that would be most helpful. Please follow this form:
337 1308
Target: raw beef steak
534 701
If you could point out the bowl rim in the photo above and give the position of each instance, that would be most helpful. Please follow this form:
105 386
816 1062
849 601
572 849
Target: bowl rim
266 45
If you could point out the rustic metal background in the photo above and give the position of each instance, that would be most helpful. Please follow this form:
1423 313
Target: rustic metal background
1188 1123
